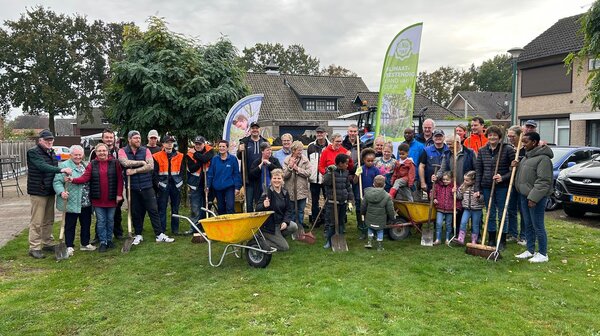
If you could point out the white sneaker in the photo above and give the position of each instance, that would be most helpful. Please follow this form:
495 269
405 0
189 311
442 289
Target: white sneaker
70 251
137 239
88 247
163 238
522 242
538 258
524 255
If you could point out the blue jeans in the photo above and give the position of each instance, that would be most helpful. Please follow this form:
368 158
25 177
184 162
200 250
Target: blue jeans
441 217
513 222
226 200
299 217
379 233
497 206
534 224
105 222
170 192
475 216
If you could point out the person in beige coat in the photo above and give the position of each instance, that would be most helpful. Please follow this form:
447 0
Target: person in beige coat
296 171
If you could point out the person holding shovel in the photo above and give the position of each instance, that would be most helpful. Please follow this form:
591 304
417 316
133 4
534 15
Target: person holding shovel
260 171
343 195
198 161
296 170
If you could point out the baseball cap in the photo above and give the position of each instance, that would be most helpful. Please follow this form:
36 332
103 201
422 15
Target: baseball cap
167 138
133 133
437 132
152 134
531 123
199 139
254 124
46 134
320 129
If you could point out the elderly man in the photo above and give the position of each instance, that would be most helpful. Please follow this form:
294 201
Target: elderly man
168 171
153 145
316 178
431 158
250 145
427 137
477 138
139 165
198 161
42 166
286 148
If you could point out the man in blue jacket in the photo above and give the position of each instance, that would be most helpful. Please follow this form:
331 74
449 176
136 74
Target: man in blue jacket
225 179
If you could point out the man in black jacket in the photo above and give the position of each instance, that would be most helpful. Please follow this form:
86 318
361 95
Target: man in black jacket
42 166
198 161
250 145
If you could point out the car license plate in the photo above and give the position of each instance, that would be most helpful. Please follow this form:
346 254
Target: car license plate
585 200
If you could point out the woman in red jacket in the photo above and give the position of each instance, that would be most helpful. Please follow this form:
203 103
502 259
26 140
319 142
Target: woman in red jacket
106 190
330 152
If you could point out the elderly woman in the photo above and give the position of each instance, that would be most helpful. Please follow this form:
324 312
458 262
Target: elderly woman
75 199
386 164
513 135
485 166
279 224
330 152
106 190
534 183
296 171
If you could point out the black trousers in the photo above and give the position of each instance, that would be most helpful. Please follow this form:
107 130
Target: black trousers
143 201
85 220
316 190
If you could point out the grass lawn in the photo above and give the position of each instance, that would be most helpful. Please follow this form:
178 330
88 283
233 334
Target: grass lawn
169 289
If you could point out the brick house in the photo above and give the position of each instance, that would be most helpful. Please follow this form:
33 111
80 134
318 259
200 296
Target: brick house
491 106
553 96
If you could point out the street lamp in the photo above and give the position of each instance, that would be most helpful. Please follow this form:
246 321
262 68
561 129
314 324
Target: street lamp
514 53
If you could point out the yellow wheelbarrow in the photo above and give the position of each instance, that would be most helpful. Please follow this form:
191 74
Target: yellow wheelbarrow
410 214
240 232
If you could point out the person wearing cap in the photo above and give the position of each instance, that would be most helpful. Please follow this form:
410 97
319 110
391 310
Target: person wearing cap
42 166
431 158
168 172
198 161
224 177
530 126
260 171
286 148
153 144
138 164
314 151
250 145
477 139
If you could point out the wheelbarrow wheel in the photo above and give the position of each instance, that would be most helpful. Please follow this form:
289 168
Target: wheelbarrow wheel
256 258
399 233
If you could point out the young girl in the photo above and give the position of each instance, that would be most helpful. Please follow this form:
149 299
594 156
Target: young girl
472 208
367 171
443 199
404 175
386 164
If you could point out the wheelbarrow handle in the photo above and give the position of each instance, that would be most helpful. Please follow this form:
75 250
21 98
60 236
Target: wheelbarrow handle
209 211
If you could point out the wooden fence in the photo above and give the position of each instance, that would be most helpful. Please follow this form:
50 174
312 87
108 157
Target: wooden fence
17 149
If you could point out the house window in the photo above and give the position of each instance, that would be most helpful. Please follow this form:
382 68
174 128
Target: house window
331 105
546 80
321 105
555 131
310 105
593 64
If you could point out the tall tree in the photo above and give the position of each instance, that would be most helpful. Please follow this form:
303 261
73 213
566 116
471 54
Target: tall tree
337 70
442 84
495 74
590 28
55 64
293 60
170 83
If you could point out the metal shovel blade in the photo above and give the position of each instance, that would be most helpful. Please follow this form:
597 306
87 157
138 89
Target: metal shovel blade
338 243
60 251
127 244
427 235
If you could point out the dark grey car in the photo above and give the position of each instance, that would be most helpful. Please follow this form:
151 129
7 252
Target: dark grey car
578 188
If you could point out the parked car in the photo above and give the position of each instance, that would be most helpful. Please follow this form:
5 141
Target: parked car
62 153
578 188
565 157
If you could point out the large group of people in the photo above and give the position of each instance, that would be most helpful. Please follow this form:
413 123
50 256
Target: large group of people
335 171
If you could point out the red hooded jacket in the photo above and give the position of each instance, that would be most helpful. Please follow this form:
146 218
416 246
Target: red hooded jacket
328 158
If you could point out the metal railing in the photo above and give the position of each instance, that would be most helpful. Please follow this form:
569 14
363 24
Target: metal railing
17 149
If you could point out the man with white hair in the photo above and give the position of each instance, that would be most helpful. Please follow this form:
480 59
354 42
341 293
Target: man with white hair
427 137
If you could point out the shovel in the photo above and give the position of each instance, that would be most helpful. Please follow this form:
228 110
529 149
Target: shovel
300 234
454 219
427 232
309 237
338 241
196 236
60 250
129 241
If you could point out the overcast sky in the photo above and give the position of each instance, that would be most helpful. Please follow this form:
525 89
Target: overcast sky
354 34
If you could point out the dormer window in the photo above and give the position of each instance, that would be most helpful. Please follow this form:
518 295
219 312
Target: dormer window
320 105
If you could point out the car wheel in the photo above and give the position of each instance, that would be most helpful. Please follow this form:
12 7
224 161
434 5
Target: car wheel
551 203
573 211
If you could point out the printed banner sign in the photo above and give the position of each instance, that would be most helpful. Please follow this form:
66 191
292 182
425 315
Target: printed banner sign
239 118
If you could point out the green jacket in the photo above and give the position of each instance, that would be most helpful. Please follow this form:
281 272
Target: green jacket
378 208
534 175
75 190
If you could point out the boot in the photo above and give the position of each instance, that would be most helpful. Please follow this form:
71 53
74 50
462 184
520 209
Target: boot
461 237
393 193
474 237
380 246
369 243
492 239
502 242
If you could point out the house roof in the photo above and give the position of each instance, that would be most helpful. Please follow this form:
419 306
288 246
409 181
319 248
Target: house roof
484 104
283 92
434 111
64 127
87 123
561 38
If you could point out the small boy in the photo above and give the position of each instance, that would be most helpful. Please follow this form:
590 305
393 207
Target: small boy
343 195
378 209
403 178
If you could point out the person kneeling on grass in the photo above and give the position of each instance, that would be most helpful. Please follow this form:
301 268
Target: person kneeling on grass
378 209
343 193
279 224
